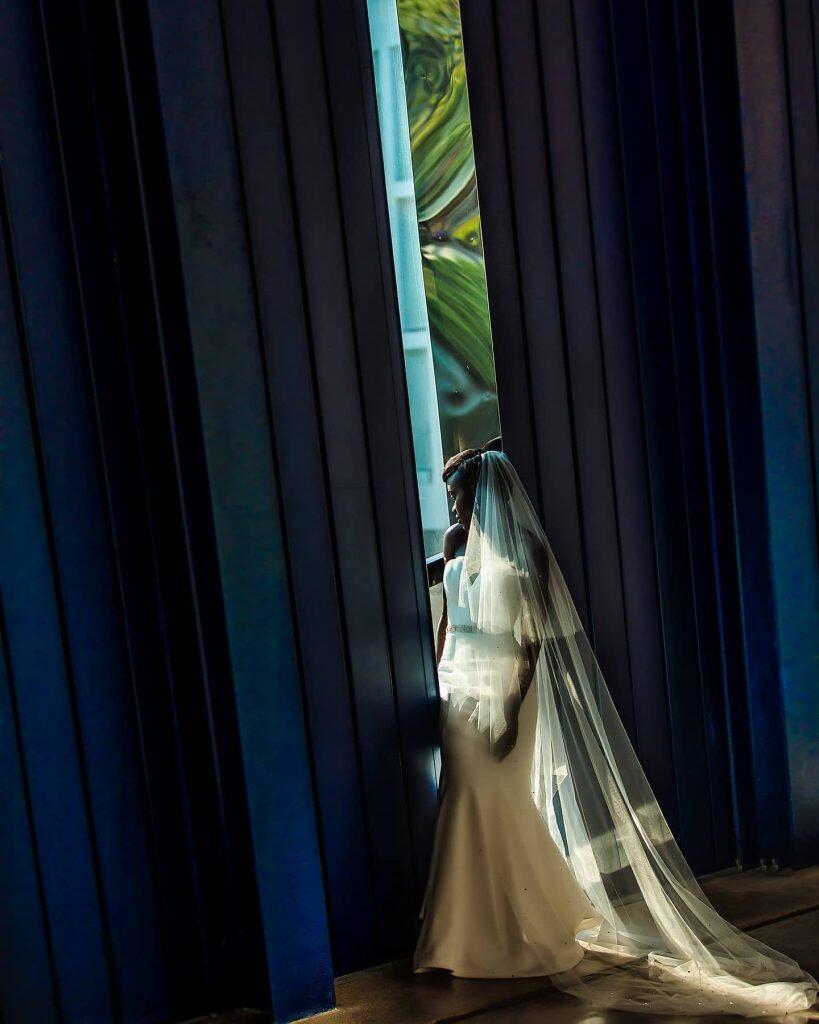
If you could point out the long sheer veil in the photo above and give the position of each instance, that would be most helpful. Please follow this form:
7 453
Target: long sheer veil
661 947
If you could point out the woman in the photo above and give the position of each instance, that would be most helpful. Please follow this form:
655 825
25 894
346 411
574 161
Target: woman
551 855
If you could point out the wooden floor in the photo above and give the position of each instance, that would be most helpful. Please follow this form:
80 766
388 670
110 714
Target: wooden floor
781 909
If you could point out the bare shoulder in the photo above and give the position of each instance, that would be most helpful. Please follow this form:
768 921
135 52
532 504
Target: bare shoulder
454 537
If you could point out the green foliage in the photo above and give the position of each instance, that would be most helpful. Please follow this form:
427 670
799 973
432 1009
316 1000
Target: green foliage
445 188
458 308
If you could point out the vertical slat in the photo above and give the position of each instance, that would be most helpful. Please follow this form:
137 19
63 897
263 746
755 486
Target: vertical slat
386 419
654 332
151 447
35 638
585 369
801 28
338 375
284 321
784 394
703 426
219 303
626 424
750 642
420 630
517 404
82 548
522 273
682 303
718 536
207 731
27 979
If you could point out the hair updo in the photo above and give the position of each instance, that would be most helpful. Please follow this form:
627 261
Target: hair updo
466 465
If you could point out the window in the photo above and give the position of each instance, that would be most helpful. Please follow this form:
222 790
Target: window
429 166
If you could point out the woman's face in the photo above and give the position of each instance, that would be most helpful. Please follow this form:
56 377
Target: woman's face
462 497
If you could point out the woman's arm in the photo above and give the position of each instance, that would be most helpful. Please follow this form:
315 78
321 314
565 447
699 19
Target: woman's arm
440 638
537 617
526 660
454 537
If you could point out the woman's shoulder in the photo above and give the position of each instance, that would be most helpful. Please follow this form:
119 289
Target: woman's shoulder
454 538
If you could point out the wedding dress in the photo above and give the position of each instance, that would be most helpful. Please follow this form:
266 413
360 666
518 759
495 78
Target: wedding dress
501 901
556 859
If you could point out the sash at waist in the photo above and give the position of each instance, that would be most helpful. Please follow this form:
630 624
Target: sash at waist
468 627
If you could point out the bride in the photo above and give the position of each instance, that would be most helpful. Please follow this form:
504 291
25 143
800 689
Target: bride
551 854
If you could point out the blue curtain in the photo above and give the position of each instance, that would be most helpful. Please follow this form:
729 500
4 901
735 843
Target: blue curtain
217 684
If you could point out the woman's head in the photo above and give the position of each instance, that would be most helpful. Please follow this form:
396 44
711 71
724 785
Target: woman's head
461 474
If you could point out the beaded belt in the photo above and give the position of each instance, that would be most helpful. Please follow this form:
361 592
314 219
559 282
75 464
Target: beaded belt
469 627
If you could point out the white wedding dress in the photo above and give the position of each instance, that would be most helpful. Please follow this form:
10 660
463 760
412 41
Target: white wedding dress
559 853
501 900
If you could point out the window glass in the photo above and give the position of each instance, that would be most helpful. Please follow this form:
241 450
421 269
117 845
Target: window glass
429 166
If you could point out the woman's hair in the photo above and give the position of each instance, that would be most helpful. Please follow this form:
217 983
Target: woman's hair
467 464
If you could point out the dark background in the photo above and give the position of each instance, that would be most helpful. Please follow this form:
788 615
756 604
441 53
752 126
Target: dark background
217 687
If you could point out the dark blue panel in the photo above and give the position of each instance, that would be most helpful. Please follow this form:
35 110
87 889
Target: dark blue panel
379 350
784 391
669 108
754 694
519 406
284 324
82 545
585 368
801 30
709 491
327 290
253 563
654 332
108 740
27 983
45 706
522 274
605 184
151 446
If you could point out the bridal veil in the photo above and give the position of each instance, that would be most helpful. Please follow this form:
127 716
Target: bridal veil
660 946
